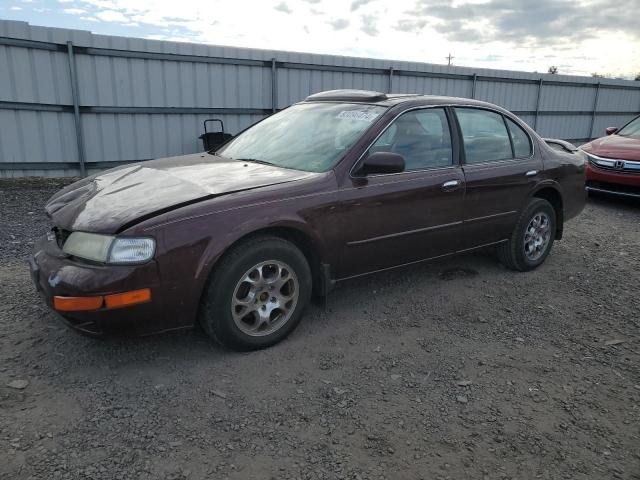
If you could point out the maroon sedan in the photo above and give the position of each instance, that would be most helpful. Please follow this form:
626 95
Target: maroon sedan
343 184
614 161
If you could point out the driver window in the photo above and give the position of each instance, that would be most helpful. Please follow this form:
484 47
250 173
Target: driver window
422 137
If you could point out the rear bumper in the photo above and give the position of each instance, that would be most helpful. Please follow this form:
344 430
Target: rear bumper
55 274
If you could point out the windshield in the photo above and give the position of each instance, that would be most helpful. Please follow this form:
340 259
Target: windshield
307 136
632 129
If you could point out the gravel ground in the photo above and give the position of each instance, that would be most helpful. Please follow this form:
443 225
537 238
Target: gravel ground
457 369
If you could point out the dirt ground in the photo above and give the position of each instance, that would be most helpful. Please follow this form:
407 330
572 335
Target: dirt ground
451 370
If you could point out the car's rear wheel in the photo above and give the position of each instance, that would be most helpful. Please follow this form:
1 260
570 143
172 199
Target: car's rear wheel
257 294
532 237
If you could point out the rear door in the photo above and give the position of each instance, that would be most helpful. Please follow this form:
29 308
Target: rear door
393 219
500 170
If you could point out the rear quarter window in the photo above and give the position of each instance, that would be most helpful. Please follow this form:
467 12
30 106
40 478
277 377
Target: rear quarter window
484 135
521 141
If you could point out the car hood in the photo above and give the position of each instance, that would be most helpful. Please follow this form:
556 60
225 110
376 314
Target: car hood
111 200
615 146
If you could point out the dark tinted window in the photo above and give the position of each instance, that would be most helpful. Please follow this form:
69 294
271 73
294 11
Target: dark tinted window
421 136
484 135
521 144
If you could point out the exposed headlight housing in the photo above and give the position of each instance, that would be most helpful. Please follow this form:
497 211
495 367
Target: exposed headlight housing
110 249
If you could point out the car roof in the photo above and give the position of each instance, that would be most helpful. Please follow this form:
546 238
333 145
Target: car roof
390 99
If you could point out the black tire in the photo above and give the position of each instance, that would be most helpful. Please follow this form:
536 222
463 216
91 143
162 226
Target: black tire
215 313
512 252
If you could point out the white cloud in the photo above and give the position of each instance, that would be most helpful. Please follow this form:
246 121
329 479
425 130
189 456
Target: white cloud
283 7
112 16
74 11
375 28
16 8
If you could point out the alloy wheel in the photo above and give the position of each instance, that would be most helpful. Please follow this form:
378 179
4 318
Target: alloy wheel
264 298
537 236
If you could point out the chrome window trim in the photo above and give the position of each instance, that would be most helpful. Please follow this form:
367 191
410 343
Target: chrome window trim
422 170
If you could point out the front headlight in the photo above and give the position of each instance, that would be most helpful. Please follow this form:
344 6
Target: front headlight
109 249
131 250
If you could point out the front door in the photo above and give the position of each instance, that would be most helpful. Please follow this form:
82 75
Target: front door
394 219
500 171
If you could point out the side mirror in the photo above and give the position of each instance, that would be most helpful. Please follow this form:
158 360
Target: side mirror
382 162
611 130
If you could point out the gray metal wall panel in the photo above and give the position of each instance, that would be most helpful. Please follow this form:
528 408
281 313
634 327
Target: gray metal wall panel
611 100
564 126
512 96
571 98
28 136
34 76
431 86
129 137
297 84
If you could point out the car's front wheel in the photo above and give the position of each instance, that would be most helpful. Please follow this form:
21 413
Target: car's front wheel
257 294
532 237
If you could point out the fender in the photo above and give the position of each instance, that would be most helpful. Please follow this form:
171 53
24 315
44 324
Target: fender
218 246
551 184
546 183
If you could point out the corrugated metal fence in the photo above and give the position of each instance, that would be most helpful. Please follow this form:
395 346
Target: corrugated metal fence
73 101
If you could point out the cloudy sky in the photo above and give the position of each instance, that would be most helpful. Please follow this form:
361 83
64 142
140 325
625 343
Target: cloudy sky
579 37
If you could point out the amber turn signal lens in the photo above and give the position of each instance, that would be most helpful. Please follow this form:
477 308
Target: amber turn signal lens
75 304
127 298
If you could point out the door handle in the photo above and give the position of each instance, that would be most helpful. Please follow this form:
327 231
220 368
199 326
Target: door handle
531 173
450 185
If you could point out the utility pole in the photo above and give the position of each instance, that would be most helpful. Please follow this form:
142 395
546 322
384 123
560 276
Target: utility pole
449 58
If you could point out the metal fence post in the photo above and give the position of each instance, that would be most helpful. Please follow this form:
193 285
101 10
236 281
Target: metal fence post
390 79
274 86
595 109
473 87
535 119
76 107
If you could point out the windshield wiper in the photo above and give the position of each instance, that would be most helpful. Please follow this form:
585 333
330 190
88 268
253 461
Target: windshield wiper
254 160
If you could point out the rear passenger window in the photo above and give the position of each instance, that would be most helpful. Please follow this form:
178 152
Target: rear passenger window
421 136
521 143
484 135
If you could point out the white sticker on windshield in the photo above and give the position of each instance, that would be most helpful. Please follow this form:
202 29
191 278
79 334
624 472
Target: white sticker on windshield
357 115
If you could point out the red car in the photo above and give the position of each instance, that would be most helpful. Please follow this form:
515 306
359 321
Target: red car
614 161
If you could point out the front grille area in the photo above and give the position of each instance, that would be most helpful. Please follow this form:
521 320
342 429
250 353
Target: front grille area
61 235
615 165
